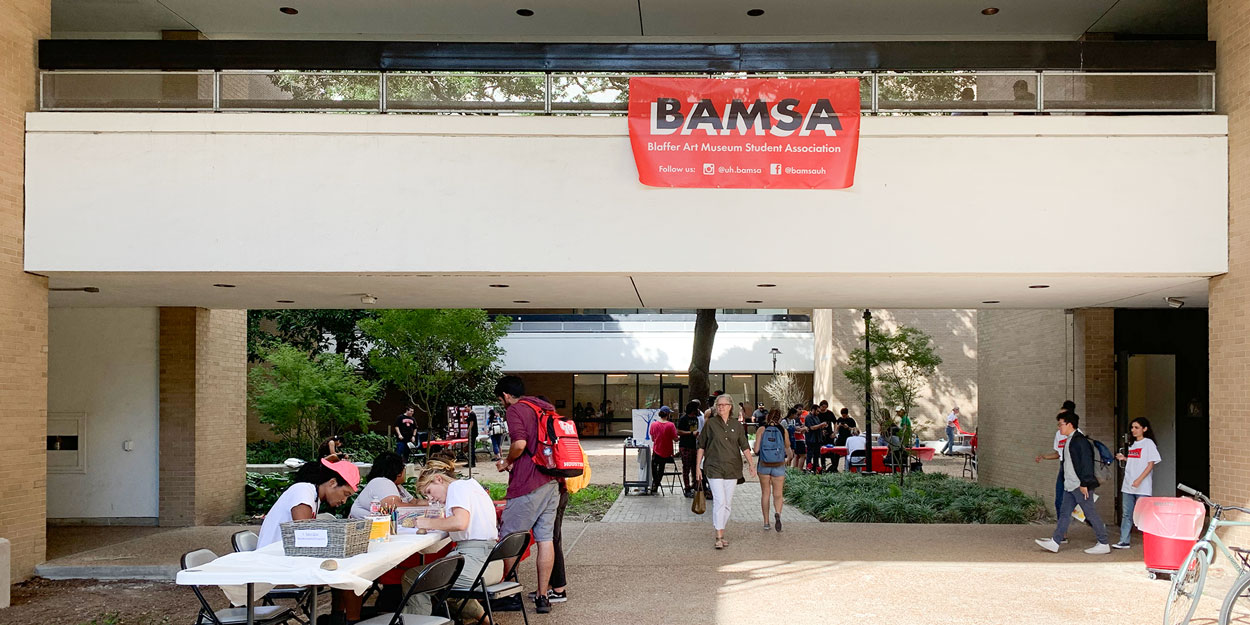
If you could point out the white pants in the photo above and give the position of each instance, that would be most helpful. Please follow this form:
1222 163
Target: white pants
722 498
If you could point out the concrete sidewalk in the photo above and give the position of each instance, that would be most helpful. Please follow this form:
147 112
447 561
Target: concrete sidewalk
663 573
675 508
153 556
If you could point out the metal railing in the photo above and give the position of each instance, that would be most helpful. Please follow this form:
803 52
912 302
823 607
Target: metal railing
555 93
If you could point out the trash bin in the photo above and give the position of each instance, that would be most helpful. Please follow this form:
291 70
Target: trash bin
1170 526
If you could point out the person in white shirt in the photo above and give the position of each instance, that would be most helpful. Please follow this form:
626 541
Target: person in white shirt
315 482
952 428
856 442
469 519
1056 453
1139 466
386 484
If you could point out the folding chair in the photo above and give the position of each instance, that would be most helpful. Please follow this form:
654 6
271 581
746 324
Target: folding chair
970 459
512 546
436 580
246 541
265 615
856 461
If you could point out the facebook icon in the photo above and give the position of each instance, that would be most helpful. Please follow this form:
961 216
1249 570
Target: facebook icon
774 169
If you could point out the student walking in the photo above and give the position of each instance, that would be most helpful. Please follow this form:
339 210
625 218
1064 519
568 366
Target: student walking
772 448
1078 485
952 428
798 445
1056 449
722 447
687 443
1139 466
495 426
663 433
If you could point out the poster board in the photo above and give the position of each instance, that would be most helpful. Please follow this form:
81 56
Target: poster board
642 423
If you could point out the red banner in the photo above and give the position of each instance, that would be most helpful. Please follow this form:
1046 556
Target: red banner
754 133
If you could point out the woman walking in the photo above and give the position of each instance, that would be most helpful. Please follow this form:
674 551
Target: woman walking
722 448
1139 466
772 447
495 426
798 443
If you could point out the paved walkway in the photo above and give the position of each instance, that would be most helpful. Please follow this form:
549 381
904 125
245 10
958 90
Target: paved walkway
675 508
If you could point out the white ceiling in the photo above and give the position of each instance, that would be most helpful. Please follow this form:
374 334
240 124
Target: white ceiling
618 291
624 20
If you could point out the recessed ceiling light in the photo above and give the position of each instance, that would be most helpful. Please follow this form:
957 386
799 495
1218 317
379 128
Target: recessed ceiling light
289 10
755 301
766 286
498 286
520 301
224 286
1039 286
991 301
755 12
286 301
525 12
989 11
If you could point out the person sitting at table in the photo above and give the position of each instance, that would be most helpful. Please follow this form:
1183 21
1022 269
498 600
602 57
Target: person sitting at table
385 483
856 442
469 519
314 482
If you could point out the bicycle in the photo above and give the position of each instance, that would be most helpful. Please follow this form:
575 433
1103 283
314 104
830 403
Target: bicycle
1187 582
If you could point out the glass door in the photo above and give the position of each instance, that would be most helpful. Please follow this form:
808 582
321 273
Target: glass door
674 396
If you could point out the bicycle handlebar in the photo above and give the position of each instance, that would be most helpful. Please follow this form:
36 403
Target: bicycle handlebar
1187 490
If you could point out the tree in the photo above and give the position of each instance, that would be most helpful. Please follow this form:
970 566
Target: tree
312 331
307 398
701 355
785 390
902 363
437 357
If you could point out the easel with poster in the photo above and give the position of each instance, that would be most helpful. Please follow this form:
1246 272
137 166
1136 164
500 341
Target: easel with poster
460 422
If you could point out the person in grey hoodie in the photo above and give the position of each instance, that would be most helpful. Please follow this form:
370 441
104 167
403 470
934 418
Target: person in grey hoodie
1078 486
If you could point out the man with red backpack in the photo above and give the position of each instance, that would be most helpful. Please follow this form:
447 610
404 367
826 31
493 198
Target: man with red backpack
533 496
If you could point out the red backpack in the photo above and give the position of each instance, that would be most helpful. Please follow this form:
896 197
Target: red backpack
558 453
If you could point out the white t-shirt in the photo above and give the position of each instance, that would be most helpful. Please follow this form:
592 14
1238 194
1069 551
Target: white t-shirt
381 488
951 419
855 443
469 495
1140 455
298 493
1061 440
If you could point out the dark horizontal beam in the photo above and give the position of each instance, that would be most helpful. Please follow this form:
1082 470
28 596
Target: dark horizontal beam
98 54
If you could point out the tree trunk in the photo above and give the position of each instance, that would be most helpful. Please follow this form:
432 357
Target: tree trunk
701 358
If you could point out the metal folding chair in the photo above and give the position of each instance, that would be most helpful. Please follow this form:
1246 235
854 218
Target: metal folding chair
435 580
264 615
511 546
246 541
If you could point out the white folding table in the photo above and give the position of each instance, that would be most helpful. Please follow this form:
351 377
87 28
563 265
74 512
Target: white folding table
240 574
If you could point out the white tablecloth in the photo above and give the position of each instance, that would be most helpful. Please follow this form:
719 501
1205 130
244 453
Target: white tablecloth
269 567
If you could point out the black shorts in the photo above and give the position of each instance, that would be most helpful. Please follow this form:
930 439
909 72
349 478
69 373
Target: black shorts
800 448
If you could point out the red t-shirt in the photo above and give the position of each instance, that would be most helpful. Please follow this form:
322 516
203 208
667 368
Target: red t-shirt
663 433
525 478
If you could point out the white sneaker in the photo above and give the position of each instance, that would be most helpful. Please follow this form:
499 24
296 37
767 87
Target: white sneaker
1048 544
1098 549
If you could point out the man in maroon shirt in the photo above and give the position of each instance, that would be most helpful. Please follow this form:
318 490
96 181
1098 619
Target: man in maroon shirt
533 496
663 433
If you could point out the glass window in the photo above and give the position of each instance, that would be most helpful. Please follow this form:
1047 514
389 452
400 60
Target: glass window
588 400
648 390
622 394
742 387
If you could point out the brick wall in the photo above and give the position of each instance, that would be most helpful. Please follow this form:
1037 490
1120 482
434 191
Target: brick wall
23 301
203 427
954 334
1094 388
1230 293
1022 366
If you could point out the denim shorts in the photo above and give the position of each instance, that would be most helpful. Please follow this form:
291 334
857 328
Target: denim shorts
773 471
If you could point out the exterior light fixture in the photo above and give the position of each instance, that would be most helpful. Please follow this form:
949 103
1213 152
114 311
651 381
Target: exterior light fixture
525 12
989 11
520 301
224 286
368 299
498 286
766 286
1039 286
755 301
755 12
289 10
286 301
991 301
1175 302
775 352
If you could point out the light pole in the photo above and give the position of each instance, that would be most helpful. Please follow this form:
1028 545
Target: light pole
775 352
868 389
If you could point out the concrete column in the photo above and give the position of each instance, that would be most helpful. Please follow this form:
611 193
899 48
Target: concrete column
203 414
1230 293
822 331
23 301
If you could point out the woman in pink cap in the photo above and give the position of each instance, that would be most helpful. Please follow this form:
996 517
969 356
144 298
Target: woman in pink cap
315 482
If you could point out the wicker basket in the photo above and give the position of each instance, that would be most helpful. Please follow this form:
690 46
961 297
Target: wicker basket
344 537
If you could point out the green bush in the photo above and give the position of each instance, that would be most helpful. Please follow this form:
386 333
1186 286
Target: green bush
262 491
271 452
926 498
365 447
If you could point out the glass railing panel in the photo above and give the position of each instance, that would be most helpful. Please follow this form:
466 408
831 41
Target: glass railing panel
126 91
1093 92
301 91
456 92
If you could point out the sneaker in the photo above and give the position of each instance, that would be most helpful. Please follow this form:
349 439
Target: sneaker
507 604
1063 542
1121 546
542 605
1048 544
558 597
1099 549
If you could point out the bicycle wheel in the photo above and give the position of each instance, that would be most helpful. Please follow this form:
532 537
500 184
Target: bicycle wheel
1236 608
1187 586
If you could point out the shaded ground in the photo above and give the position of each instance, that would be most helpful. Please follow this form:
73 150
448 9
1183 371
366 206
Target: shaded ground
64 540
